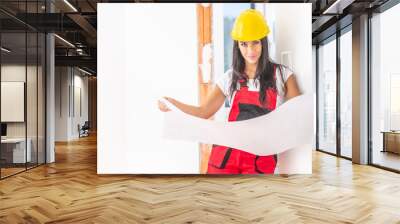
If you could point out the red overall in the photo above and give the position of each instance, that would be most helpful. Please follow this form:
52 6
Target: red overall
225 160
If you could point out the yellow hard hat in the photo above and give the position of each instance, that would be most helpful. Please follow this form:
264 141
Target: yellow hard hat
250 25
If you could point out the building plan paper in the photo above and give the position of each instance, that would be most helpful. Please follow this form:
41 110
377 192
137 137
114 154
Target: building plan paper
288 126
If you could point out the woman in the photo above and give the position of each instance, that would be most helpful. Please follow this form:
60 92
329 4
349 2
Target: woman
254 86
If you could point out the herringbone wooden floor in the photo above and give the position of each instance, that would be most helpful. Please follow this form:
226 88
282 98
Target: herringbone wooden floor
70 191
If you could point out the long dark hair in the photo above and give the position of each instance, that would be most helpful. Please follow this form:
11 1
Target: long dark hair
264 72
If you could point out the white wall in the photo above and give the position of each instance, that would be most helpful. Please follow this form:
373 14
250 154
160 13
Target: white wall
12 101
145 51
68 81
80 84
12 73
33 127
218 51
61 103
293 34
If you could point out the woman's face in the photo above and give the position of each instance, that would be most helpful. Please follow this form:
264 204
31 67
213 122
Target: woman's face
250 50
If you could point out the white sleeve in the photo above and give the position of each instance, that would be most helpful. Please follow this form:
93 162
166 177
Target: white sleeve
280 81
224 82
286 73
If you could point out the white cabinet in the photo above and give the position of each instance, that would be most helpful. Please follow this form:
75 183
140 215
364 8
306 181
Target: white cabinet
17 146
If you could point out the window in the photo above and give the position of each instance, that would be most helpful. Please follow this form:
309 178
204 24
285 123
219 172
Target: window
22 65
346 94
394 102
231 11
327 96
385 89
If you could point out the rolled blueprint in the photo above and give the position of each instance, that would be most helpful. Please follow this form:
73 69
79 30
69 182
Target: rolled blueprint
288 126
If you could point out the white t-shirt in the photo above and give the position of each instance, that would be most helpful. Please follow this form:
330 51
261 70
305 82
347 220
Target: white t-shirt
224 83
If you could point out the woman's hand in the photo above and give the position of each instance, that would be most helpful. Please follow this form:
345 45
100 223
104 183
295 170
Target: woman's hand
162 106
208 108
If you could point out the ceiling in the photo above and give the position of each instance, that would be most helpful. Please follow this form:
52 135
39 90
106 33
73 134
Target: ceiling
76 22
